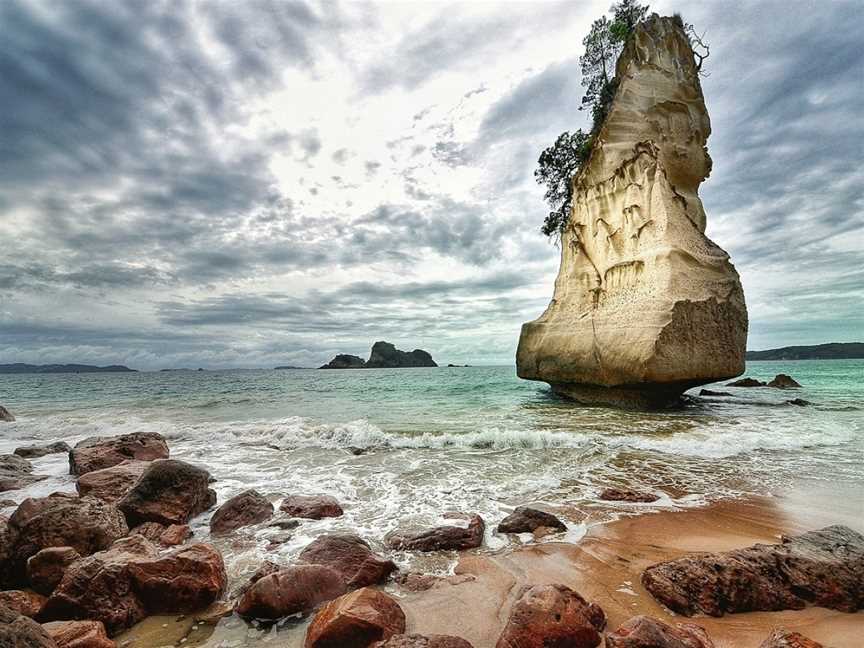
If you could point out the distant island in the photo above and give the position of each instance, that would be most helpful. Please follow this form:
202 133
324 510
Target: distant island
288 367
383 356
830 351
21 368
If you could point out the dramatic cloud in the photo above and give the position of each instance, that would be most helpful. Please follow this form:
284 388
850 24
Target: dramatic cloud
272 182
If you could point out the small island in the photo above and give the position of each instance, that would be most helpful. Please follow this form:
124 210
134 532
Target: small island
830 351
21 368
383 356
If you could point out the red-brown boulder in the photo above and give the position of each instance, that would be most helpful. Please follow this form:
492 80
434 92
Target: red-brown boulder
552 615
424 641
78 634
167 536
349 556
627 495
18 631
249 507
648 632
441 538
313 507
45 569
292 590
169 492
784 639
61 520
111 484
525 520
356 620
825 568
27 603
97 453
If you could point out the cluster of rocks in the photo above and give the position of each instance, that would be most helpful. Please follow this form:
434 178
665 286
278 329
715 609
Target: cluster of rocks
780 381
383 356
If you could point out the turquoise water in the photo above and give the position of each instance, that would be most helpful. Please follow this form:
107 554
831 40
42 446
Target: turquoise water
467 439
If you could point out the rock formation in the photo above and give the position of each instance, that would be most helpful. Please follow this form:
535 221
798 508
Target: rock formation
645 305
383 356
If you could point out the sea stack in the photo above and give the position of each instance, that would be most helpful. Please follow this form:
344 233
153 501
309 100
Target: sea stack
645 305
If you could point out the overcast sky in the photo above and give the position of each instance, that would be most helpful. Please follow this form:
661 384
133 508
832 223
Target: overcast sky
259 183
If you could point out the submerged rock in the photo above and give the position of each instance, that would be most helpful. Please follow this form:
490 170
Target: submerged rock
36 451
526 520
628 495
648 632
440 538
783 381
351 557
824 568
169 492
552 615
784 639
249 507
356 620
291 590
746 382
78 634
800 402
313 507
645 305
6 415
97 453
709 392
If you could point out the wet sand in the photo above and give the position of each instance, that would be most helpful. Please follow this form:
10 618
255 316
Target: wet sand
605 567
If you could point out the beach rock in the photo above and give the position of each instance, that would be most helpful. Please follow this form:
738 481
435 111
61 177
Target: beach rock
97 453
525 520
423 641
6 415
313 507
356 620
780 638
350 557
783 381
16 473
746 382
386 356
709 392
18 631
184 580
645 305
15 464
291 590
111 484
36 451
62 520
167 536
45 569
22 602
824 568
441 538
249 507
7 538
627 495
284 523
169 492
345 361
418 582
78 634
213 613
265 569
552 615
648 632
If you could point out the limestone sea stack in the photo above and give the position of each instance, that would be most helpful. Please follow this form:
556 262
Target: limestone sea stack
645 305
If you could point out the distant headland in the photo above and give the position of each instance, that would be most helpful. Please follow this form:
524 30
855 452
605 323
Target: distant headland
383 356
20 367
830 351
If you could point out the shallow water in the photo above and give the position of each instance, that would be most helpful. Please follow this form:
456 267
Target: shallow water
472 439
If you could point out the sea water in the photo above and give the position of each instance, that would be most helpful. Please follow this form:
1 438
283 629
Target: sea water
436 440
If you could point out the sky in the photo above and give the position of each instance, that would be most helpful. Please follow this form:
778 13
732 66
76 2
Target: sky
262 183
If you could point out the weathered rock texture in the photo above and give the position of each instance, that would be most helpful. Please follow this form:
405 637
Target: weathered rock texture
825 568
648 632
645 305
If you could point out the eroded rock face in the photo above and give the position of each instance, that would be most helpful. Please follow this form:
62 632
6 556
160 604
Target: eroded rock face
313 507
45 569
645 305
356 620
111 484
78 634
291 590
249 507
784 639
97 453
351 557
525 520
169 492
552 615
648 632
441 538
18 631
424 641
824 568
27 603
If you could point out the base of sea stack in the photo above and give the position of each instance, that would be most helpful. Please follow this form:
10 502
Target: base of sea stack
629 397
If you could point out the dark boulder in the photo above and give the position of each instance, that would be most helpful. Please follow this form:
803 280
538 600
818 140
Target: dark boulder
111 484
441 538
6 415
356 620
313 507
627 495
169 492
552 615
46 568
345 361
746 382
36 451
783 381
249 507
97 453
291 590
19 631
710 392
824 568
525 520
648 632
349 556
800 402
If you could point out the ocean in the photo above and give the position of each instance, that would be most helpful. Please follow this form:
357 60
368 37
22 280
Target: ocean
474 439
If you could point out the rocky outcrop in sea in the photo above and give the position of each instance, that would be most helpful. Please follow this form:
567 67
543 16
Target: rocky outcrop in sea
383 356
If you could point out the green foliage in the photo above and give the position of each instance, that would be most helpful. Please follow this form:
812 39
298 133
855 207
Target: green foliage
556 167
